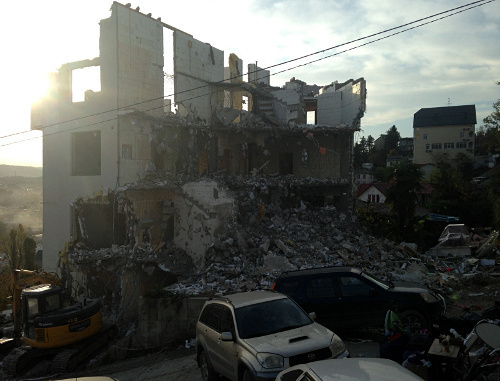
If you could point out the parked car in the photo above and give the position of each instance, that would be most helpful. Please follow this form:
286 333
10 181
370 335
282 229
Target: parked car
352 369
347 297
255 335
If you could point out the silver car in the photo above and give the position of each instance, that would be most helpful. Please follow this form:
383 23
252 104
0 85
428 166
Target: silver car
355 369
255 335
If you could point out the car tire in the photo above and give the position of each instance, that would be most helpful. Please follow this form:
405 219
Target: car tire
413 320
207 372
248 376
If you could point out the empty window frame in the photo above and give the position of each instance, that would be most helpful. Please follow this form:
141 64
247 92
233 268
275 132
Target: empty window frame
86 153
425 136
84 80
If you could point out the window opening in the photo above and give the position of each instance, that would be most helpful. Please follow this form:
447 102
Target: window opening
311 117
86 153
83 80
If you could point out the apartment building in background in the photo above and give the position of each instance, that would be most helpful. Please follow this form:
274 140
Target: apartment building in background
443 131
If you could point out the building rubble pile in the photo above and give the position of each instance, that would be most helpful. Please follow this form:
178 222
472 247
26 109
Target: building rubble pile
270 237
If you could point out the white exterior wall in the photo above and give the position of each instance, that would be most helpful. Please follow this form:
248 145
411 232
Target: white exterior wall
195 64
259 75
60 188
289 97
343 105
330 108
137 41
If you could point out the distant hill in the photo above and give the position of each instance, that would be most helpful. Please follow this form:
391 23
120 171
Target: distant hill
19 170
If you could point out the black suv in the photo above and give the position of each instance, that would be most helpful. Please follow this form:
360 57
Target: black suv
347 297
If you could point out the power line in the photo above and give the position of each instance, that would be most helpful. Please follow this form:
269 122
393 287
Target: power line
460 9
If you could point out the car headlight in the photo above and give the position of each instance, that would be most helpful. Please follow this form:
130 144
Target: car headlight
428 297
270 360
337 346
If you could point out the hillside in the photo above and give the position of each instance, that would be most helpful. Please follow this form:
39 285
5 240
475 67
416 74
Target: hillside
21 171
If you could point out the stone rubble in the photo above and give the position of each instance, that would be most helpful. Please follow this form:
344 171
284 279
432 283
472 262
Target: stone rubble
266 239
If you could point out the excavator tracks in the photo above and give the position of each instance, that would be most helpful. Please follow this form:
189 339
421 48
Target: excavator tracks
68 360
23 358
63 360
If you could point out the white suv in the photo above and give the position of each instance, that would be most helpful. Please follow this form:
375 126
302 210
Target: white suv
255 335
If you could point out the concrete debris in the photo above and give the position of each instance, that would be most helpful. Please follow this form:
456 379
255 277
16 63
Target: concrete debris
269 235
297 238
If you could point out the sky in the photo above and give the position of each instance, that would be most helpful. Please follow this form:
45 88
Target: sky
454 61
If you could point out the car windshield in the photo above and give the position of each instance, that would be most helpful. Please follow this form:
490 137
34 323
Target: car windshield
380 282
269 317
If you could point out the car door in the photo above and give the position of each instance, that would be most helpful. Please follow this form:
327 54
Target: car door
210 331
222 354
322 297
361 302
227 350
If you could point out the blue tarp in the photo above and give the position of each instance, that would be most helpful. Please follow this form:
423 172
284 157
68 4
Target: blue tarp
442 217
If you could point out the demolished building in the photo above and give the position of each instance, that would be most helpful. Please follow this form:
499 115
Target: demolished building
118 136
142 175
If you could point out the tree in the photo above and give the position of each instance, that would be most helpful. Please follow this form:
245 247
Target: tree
402 195
29 249
488 135
362 150
492 121
370 144
464 166
494 195
448 196
20 249
391 139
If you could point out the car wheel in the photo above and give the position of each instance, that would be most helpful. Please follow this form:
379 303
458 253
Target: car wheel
413 320
207 372
248 376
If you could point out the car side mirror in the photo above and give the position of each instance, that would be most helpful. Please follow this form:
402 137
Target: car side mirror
226 336
312 315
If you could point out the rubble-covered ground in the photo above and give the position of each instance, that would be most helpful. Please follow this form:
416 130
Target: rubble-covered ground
270 238
284 233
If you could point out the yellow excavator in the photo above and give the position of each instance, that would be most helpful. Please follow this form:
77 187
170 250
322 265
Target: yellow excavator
49 329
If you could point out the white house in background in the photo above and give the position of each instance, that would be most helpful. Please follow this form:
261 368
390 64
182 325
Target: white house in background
372 193
363 176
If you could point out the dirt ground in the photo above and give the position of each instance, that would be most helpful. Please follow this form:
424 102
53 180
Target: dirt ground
180 364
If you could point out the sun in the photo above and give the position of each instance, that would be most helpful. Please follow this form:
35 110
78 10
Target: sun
37 88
